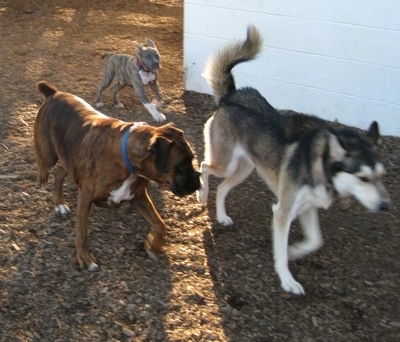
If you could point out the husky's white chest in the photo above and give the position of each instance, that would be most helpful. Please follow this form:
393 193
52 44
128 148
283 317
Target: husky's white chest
123 193
147 77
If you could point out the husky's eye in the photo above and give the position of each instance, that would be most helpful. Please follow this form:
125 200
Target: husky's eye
364 179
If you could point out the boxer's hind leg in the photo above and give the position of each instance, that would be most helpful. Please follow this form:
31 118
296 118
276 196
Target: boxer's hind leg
46 156
83 256
156 238
61 208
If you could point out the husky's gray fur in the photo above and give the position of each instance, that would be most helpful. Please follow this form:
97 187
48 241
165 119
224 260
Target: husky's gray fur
136 71
304 160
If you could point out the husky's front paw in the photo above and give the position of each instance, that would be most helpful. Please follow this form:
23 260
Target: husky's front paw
292 286
294 252
119 105
303 248
225 220
99 104
202 195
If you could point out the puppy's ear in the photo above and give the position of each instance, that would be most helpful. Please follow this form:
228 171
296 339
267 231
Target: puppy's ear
161 146
150 43
139 47
373 134
336 150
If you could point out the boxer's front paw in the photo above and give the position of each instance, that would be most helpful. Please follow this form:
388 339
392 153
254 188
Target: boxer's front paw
151 255
93 267
86 261
153 245
62 210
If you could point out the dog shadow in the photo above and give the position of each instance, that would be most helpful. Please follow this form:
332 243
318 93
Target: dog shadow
68 296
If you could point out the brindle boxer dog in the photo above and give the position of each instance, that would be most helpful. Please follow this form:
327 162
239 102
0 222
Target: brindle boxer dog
137 71
110 161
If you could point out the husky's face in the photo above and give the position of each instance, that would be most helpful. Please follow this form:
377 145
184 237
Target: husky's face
365 185
360 172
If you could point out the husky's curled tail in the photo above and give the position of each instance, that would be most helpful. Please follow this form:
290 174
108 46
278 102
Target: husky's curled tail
218 68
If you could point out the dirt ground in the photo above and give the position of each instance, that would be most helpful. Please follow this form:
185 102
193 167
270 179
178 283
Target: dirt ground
212 283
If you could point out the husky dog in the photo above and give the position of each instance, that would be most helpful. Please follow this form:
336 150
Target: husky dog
137 72
304 160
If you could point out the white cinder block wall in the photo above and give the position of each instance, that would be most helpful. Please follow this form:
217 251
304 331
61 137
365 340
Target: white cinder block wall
339 60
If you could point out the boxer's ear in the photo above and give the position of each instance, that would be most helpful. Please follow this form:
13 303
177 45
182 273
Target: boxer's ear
161 148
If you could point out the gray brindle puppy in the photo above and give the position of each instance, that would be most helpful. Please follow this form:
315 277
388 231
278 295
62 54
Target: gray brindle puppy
136 71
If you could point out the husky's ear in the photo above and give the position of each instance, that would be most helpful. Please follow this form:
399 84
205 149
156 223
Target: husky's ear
336 150
150 43
161 146
373 133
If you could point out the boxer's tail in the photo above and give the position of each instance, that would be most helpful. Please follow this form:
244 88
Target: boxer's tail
46 88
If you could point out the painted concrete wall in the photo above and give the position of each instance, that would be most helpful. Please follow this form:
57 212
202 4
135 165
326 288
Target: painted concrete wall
337 59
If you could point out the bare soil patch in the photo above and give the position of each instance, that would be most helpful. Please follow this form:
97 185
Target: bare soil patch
212 283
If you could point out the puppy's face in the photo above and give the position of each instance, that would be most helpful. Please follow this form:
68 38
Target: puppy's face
148 56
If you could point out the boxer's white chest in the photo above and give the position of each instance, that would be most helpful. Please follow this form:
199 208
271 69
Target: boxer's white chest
147 77
123 193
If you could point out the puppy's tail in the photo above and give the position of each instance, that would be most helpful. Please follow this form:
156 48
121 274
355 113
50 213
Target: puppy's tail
106 55
46 88
218 68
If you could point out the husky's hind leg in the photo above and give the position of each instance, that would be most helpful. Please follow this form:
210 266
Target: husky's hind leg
243 169
202 193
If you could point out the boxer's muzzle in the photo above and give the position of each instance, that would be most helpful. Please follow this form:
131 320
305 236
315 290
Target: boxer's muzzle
186 182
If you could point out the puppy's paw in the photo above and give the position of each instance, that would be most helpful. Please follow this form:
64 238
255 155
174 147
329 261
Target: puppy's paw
119 105
159 117
99 104
62 210
159 104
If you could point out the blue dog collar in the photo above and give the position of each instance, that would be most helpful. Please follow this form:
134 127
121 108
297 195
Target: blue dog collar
124 146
